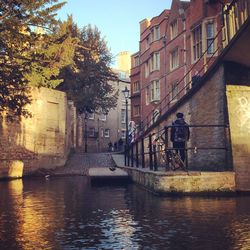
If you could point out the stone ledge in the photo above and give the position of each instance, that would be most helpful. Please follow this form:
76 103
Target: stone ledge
180 182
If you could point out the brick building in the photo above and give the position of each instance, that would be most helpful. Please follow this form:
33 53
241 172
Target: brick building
175 48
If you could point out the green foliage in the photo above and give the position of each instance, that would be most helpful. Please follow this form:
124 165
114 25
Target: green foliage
52 52
88 81
18 41
37 50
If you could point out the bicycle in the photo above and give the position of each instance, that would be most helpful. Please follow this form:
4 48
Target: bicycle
169 157
173 160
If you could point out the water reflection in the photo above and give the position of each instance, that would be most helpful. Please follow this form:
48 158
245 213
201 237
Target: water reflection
69 213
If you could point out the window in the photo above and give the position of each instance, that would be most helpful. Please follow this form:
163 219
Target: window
136 87
123 75
91 132
156 115
197 43
123 116
106 132
156 33
136 110
173 29
155 91
91 116
103 117
146 69
210 38
147 95
155 62
174 90
174 59
147 42
123 134
136 61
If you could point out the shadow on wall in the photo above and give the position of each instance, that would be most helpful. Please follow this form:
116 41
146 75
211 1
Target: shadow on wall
39 142
13 155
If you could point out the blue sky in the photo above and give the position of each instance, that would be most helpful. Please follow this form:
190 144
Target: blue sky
118 20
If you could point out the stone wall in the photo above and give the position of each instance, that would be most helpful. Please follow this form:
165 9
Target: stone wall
239 119
42 141
166 183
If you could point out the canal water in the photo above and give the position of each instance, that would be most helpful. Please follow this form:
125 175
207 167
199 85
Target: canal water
70 213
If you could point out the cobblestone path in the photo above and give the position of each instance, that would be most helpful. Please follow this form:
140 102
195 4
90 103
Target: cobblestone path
79 163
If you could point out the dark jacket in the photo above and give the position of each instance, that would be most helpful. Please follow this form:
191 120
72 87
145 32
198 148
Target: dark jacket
179 123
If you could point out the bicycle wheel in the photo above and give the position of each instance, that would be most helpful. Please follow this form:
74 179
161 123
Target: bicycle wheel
171 161
178 162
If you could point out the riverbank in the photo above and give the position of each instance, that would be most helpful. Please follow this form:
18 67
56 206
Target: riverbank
180 182
79 164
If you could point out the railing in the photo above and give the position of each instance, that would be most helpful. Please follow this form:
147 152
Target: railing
234 16
208 149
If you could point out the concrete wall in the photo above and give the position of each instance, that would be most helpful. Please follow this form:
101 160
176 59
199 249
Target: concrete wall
183 183
239 118
42 141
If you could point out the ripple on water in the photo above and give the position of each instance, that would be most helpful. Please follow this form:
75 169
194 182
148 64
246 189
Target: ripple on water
69 213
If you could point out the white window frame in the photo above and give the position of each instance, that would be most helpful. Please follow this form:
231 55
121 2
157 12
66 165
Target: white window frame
155 91
106 132
146 69
210 38
174 90
147 95
136 61
174 29
156 33
91 116
103 117
174 59
136 87
156 115
155 62
123 134
91 132
197 43
147 40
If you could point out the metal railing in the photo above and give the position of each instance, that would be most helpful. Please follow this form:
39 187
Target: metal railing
234 16
208 149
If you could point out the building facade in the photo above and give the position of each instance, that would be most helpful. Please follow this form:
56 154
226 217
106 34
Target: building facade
107 132
175 49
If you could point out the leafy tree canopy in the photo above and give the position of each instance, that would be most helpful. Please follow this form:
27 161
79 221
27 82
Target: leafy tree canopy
88 81
24 52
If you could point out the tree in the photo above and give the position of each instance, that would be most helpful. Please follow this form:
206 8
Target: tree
51 53
18 40
88 81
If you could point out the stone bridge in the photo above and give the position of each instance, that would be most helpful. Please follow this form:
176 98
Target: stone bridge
222 97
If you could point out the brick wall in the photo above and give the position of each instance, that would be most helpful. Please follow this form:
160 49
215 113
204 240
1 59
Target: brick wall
205 107
42 141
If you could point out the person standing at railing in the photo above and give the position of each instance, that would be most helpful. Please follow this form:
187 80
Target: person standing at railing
180 135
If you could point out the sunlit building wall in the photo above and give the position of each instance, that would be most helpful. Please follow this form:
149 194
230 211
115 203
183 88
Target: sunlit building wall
43 140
